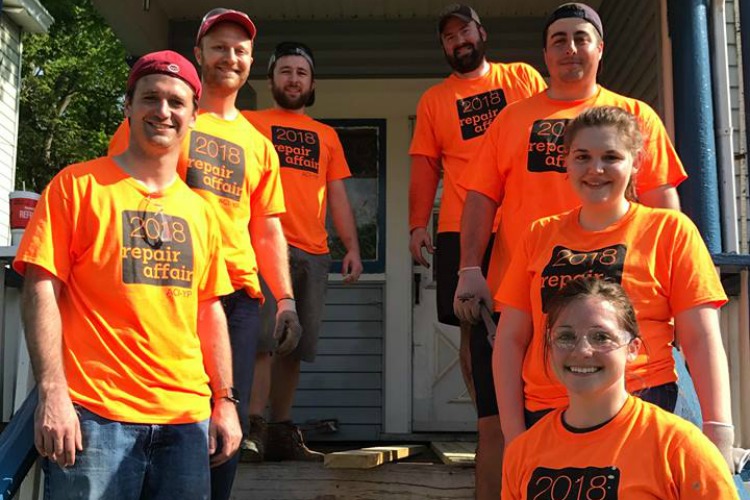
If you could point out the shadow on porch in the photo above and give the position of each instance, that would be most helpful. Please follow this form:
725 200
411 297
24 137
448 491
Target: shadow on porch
422 477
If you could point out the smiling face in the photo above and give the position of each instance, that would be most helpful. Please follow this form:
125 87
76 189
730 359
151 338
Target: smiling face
225 57
463 44
160 112
600 166
572 51
601 349
292 82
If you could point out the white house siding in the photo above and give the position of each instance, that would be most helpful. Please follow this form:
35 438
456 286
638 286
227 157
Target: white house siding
10 67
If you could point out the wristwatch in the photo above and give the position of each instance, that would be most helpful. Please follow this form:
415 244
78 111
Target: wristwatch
229 393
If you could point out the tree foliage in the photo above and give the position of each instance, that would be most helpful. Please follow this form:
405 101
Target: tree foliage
73 81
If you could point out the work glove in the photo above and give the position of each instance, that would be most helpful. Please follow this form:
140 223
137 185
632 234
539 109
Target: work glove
722 435
471 292
288 329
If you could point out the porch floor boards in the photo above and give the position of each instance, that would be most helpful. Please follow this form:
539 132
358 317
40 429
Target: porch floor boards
392 481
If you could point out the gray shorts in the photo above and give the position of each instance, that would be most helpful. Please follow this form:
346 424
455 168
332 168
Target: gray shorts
309 273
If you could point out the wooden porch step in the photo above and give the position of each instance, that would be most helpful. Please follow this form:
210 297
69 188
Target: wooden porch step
455 453
367 458
313 481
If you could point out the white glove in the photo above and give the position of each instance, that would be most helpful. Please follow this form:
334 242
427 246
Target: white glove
471 291
722 435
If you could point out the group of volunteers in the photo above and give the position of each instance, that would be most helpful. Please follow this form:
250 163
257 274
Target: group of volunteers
560 218
144 314
157 346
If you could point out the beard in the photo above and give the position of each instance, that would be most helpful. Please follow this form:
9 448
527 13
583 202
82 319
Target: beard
467 62
221 82
287 102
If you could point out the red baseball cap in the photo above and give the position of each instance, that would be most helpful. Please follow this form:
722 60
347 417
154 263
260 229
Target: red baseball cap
222 15
165 62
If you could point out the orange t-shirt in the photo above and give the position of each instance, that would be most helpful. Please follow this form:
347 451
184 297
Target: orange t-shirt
520 164
235 169
644 453
452 117
310 156
129 306
658 257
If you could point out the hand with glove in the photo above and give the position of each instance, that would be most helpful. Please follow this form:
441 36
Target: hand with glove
722 435
471 292
288 329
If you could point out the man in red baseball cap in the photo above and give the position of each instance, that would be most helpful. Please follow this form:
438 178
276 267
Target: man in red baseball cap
236 170
121 305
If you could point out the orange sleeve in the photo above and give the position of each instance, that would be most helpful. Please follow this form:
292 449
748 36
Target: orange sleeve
660 164
120 140
484 174
424 141
215 281
49 235
512 472
423 183
338 168
268 196
534 81
515 289
698 469
694 280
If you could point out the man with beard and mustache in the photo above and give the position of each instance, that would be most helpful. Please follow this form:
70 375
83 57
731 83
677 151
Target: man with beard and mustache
313 169
451 119
234 167
519 168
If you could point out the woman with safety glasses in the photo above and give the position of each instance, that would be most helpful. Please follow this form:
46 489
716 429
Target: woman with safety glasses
606 444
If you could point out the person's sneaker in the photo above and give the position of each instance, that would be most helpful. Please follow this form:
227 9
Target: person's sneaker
285 443
252 448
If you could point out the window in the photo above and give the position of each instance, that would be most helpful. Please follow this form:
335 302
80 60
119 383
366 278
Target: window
364 146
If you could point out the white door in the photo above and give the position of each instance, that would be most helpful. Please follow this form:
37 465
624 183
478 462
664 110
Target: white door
441 401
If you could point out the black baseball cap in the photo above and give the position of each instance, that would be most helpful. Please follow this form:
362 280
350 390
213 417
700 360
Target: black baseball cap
463 12
574 9
293 49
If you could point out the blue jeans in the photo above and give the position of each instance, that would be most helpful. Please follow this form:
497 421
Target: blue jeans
122 461
243 318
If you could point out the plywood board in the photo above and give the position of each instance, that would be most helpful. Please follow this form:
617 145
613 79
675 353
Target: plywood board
455 453
367 458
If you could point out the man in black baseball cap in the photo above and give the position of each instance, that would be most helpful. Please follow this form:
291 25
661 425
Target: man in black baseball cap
452 117
313 169
522 151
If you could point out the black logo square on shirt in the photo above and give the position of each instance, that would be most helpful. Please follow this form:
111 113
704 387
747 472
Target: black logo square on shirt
216 165
297 148
572 483
157 249
476 112
546 148
567 264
